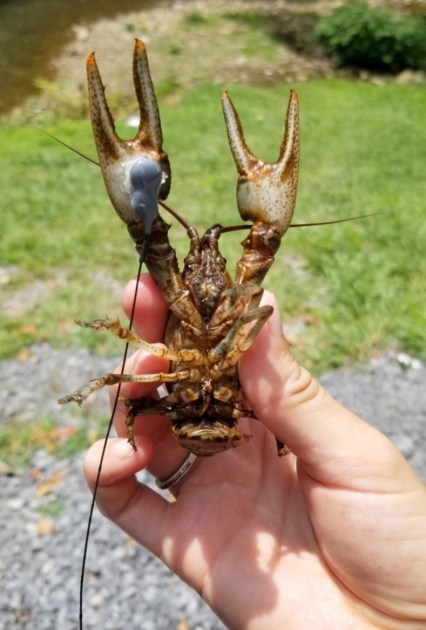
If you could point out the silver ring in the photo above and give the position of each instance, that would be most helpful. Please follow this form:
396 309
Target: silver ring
164 484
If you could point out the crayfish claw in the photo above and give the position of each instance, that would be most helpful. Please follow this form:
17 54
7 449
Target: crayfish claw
107 141
139 165
149 131
266 193
244 159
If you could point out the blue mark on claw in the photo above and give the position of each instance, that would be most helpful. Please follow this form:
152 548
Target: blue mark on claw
145 179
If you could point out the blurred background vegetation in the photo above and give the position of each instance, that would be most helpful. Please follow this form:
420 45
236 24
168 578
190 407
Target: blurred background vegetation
346 291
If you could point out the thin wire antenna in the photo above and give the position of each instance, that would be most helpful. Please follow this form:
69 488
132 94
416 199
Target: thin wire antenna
247 226
68 146
107 435
361 216
230 228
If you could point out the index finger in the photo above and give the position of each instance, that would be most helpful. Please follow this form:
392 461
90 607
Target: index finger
151 310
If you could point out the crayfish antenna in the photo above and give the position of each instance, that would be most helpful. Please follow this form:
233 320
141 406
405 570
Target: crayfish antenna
68 146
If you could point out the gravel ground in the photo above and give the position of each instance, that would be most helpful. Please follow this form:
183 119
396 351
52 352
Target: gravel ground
44 507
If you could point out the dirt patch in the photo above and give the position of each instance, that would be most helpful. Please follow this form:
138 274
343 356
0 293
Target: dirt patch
18 301
189 43
192 42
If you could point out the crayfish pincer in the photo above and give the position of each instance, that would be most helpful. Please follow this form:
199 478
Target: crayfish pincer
213 319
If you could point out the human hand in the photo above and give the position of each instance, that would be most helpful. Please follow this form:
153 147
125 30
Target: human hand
332 536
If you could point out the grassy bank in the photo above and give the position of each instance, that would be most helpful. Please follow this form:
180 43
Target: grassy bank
346 291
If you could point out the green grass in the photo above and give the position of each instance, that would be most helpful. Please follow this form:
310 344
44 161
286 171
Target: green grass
20 440
196 18
345 291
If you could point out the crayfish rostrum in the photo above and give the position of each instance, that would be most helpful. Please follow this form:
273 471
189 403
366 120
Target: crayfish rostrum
213 319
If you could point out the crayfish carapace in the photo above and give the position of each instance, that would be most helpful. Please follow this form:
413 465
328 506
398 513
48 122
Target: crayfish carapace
213 320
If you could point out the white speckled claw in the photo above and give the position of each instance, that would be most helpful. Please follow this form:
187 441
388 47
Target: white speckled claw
266 192
125 163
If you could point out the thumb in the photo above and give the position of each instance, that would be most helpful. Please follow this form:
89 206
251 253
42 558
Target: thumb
331 443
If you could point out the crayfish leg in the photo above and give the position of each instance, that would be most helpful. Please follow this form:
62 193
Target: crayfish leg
141 407
282 449
113 326
81 395
239 338
130 421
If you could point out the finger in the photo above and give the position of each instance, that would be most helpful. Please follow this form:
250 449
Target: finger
151 311
332 443
135 508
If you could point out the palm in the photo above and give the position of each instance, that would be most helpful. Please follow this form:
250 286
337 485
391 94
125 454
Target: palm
252 518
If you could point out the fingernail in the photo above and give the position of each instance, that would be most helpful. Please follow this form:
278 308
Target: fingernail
276 325
123 449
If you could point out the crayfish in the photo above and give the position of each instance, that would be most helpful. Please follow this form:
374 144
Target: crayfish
213 319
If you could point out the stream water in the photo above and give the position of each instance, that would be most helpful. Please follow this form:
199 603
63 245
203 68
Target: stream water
33 31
